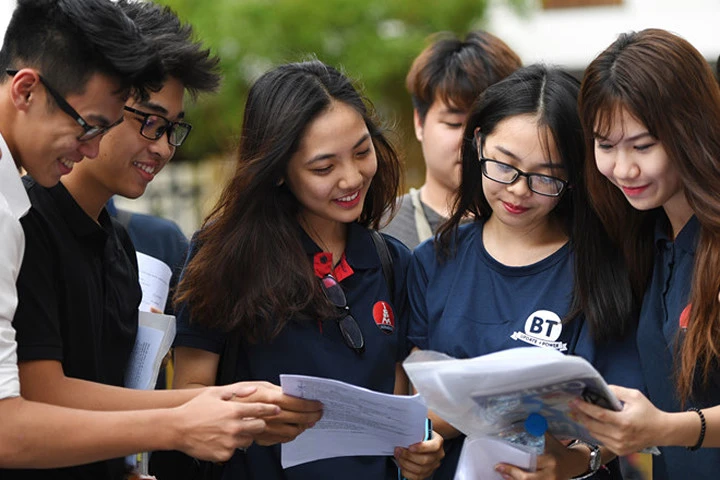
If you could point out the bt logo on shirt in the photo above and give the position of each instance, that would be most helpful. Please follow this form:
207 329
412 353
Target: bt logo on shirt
542 329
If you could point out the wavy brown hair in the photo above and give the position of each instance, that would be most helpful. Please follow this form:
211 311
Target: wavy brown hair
249 270
666 84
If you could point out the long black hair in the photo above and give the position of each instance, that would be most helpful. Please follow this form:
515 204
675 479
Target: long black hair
550 94
251 271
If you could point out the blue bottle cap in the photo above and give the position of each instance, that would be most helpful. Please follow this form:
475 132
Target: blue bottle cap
536 425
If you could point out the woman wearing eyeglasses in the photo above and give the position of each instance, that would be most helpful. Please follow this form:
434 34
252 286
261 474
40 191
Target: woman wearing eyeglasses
286 267
509 279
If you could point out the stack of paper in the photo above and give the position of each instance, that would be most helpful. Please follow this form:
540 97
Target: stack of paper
487 394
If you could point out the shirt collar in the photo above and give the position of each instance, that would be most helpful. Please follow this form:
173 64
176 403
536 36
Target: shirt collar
80 223
11 186
686 239
360 252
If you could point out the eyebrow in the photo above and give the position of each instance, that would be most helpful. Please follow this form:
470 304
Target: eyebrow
159 109
507 152
598 136
325 156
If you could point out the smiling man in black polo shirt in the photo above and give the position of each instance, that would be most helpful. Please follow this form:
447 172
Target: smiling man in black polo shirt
78 288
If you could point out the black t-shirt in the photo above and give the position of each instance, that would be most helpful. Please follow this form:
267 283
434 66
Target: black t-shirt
78 303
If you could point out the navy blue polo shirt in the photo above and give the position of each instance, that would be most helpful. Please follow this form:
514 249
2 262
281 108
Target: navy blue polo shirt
658 331
470 304
78 297
319 350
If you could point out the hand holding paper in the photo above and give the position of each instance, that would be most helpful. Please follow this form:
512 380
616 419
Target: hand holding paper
355 421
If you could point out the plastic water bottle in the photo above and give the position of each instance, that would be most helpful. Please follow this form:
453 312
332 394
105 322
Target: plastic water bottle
530 435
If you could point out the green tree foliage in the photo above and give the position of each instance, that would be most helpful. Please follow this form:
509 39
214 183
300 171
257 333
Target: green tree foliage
373 41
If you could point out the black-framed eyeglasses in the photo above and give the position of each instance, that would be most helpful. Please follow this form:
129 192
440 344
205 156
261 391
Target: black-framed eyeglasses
348 325
89 131
153 127
507 174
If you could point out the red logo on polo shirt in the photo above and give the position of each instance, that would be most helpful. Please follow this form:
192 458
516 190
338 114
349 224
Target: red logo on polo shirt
384 317
685 317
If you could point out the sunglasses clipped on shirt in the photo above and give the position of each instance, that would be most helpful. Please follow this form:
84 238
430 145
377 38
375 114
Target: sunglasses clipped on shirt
349 327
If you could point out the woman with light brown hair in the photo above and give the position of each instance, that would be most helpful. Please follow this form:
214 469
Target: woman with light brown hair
650 107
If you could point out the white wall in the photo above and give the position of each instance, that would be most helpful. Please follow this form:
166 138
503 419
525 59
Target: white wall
572 37
6 9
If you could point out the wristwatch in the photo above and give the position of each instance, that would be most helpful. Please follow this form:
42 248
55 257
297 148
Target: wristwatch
595 459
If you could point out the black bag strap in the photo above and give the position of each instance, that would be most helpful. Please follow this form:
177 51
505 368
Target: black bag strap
385 260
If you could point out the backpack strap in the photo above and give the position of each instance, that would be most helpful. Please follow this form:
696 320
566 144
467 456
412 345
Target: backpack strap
385 260
424 231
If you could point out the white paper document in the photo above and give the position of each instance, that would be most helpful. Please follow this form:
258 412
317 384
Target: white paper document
480 455
154 276
355 421
156 333
485 395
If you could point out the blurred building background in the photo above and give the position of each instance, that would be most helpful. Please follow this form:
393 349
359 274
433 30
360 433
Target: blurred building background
375 41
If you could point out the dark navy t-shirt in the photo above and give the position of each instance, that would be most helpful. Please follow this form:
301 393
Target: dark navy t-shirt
665 300
470 304
319 350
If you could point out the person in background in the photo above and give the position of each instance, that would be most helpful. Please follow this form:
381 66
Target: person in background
78 290
650 107
511 278
285 269
444 81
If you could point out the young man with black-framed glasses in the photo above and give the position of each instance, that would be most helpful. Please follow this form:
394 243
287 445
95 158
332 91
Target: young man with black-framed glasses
73 64
78 289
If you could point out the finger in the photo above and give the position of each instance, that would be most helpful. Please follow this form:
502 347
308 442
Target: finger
155 310
250 426
594 411
510 471
296 404
305 419
236 390
428 446
255 410
283 432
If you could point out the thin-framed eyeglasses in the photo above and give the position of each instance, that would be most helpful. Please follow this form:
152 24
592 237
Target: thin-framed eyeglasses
349 327
89 131
153 126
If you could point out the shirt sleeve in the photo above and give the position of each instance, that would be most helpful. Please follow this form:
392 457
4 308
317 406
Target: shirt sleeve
37 319
191 334
11 255
417 285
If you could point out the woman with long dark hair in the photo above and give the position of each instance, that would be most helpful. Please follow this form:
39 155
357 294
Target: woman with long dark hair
650 107
510 278
286 266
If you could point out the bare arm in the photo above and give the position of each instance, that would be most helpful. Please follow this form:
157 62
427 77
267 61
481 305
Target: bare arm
640 424
36 435
44 381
